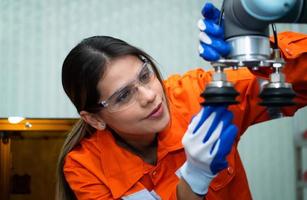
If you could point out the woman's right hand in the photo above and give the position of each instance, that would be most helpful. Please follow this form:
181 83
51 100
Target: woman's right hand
207 142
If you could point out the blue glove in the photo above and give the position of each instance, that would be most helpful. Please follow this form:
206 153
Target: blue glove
212 45
207 142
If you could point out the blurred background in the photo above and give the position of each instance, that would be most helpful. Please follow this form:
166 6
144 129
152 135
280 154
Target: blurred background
36 35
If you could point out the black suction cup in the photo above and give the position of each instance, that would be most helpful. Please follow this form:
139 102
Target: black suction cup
277 97
219 96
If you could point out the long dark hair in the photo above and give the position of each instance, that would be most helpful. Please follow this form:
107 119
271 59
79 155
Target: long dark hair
82 69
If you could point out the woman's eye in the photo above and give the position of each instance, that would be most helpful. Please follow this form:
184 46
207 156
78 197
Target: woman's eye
123 96
144 78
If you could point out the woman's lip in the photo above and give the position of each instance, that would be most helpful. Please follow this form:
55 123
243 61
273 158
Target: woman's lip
156 112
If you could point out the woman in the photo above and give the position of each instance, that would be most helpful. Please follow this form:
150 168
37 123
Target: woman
127 144
118 92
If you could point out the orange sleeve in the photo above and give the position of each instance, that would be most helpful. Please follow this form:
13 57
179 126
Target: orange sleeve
184 91
294 48
85 184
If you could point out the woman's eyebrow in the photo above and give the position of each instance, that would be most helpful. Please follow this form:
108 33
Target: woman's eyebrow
119 90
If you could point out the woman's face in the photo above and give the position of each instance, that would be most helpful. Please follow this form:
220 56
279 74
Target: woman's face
146 111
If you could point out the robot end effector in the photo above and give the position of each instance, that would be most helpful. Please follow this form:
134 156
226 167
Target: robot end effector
246 24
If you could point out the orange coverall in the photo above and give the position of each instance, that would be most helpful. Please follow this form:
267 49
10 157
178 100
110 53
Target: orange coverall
100 169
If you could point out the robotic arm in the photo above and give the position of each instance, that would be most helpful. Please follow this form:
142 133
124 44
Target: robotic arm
247 18
246 24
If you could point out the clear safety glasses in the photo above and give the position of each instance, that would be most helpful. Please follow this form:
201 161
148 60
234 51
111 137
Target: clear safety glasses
127 96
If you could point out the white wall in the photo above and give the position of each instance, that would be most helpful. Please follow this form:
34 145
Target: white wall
36 35
268 152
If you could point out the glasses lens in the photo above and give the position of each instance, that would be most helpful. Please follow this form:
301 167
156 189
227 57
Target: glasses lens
146 74
127 96
123 99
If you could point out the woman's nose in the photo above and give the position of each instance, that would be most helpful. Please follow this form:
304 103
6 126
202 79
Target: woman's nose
146 95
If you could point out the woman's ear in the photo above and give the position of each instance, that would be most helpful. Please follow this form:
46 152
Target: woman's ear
93 120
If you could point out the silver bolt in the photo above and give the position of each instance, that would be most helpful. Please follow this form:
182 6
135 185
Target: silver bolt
219 76
241 64
277 77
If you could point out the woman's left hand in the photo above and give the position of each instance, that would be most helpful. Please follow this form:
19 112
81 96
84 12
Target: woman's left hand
212 45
